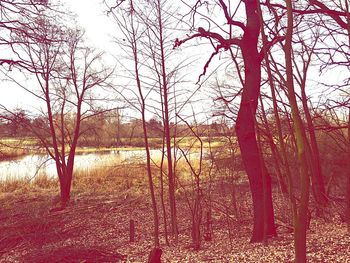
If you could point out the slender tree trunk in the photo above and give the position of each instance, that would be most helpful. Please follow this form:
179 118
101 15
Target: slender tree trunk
150 182
317 176
275 110
161 177
171 176
348 180
274 151
245 128
301 215
145 135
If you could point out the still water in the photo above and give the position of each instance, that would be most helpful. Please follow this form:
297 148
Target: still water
31 165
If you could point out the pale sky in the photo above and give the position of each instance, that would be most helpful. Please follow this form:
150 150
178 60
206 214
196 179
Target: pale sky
98 29
91 15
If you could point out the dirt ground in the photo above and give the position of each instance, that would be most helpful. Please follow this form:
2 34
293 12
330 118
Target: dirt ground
95 228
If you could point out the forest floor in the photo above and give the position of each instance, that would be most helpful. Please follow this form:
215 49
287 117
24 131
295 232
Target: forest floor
95 228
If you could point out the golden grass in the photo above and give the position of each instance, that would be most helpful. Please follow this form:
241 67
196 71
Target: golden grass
10 153
109 177
195 143
40 182
12 148
105 149
29 141
118 178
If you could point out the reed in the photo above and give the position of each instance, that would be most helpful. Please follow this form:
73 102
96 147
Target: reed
108 176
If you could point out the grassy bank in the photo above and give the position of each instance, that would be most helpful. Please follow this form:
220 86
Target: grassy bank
108 176
12 148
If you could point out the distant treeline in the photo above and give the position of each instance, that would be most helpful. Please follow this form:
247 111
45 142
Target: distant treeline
107 129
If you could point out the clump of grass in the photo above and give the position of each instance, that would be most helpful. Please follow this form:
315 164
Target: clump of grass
110 178
43 181
12 148
7 153
12 185
40 182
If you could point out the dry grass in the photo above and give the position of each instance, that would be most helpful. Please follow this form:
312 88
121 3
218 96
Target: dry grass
40 182
9 153
110 179
94 227
102 179
12 148
110 175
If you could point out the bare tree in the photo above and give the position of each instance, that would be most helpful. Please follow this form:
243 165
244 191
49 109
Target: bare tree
299 213
17 17
133 31
66 73
243 38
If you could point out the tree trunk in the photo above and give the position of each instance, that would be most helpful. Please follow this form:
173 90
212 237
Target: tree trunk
245 129
274 151
300 214
276 115
134 42
171 175
161 179
65 187
318 187
348 180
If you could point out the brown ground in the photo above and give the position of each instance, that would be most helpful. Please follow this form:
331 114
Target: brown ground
95 228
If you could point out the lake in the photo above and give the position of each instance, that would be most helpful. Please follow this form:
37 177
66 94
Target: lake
29 166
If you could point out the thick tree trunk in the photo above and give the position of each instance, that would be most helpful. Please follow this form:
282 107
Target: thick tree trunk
246 133
65 188
253 164
300 234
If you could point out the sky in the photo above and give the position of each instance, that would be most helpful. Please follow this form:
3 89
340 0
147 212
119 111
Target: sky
91 15
99 29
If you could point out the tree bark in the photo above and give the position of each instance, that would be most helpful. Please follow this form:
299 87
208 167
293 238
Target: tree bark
301 213
134 44
245 129
171 175
348 180
65 187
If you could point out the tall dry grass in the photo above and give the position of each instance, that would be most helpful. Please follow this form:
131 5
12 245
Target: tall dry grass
110 176
107 177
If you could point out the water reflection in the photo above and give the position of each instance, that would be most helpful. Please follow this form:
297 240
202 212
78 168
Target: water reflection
31 165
